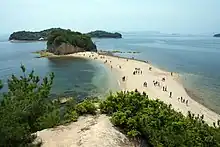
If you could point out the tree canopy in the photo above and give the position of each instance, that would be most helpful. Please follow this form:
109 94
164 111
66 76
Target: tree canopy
31 36
26 108
104 34
140 117
43 35
77 39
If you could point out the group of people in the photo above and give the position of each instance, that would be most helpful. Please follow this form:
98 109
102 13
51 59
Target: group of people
182 100
145 84
156 83
137 71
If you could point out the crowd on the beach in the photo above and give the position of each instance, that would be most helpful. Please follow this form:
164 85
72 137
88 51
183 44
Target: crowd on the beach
138 71
156 83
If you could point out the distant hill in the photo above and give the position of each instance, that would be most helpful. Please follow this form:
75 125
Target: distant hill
216 35
32 36
43 35
104 34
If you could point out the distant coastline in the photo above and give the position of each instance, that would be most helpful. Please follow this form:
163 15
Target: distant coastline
43 35
216 35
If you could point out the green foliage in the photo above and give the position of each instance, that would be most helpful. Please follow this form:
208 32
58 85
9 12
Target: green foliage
22 107
157 122
1 85
86 107
104 34
57 37
49 120
31 36
26 108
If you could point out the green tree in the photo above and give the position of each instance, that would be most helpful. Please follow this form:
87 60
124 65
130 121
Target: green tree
25 103
157 122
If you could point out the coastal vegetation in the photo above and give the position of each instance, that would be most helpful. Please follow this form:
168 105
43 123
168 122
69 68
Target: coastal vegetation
104 34
27 108
66 41
142 118
217 35
43 35
31 36
43 53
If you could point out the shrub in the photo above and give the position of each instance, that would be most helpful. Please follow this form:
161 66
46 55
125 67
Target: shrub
86 107
157 122
24 107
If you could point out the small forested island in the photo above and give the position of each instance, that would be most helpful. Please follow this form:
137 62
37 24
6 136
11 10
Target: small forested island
31 36
104 34
43 35
61 42
216 35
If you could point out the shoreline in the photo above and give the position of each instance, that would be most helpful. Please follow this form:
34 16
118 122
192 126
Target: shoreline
133 82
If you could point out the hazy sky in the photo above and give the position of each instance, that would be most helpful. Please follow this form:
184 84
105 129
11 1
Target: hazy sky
169 16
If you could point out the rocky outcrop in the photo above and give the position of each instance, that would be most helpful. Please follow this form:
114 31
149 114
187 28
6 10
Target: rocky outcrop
64 49
217 35
89 131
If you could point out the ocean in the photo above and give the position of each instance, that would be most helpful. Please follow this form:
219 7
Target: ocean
73 76
194 57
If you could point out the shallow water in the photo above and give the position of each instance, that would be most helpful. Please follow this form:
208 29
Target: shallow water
196 58
73 76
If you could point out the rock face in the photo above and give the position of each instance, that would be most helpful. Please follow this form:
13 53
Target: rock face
217 35
64 49
90 131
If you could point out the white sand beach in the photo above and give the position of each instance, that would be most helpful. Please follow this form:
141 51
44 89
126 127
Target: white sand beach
136 81
97 131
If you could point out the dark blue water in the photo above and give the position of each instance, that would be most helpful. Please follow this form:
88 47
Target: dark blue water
196 58
73 76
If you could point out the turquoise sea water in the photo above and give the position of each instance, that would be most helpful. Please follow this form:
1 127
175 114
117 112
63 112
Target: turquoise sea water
73 76
195 57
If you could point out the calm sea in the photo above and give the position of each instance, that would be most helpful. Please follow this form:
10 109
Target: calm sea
195 57
73 76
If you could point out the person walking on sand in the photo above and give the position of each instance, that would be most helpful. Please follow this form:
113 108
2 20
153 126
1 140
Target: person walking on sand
170 94
178 99
171 73
187 102
181 99
123 78
165 88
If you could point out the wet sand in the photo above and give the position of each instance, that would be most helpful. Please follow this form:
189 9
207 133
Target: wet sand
136 81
